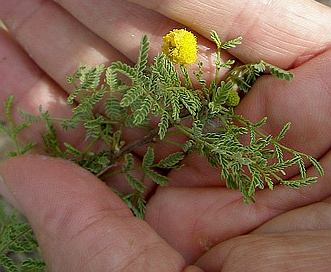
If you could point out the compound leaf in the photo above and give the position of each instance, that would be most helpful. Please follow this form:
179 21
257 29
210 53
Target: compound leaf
148 158
172 160
232 43
143 55
163 125
157 178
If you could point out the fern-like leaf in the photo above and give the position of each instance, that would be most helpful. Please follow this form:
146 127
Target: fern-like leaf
172 160
111 78
163 125
232 43
302 168
32 118
148 158
165 71
72 150
222 92
216 39
128 163
131 96
316 164
157 178
282 133
135 183
141 114
8 263
279 73
299 183
175 103
143 55
33 265
191 101
113 109
89 77
279 154
124 69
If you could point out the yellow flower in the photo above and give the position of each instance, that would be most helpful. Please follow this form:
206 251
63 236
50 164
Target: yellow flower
180 46
233 99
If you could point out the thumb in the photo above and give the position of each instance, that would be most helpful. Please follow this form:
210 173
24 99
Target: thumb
80 224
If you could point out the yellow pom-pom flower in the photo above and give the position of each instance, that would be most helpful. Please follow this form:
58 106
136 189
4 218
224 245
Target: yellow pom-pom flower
233 99
180 46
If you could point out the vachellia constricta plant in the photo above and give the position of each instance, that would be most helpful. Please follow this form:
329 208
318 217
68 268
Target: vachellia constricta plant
163 99
133 96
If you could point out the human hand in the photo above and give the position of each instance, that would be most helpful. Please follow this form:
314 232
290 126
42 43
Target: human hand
81 225
298 240
215 211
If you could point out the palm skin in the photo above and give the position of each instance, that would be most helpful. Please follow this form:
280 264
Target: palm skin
81 225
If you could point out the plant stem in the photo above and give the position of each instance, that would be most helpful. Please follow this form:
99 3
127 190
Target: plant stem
187 78
149 137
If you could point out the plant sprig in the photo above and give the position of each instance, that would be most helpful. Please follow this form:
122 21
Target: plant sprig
19 250
131 96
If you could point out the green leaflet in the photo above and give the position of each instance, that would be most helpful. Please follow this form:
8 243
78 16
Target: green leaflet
163 125
148 158
191 101
220 96
174 98
299 183
279 73
143 55
141 114
113 109
16 237
232 43
157 178
171 161
165 72
131 96
12 131
90 78
128 163
135 183
124 69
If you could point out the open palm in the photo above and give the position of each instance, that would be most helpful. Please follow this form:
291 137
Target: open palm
196 211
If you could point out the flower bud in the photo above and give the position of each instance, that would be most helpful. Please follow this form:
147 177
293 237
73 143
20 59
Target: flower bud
233 99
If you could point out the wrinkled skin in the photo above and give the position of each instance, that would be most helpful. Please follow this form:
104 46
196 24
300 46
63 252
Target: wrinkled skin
196 224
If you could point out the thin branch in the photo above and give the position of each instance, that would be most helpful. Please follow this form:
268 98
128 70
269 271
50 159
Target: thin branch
149 137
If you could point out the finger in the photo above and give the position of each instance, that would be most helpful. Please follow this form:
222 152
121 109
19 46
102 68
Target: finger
70 42
313 217
55 40
309 200
81 225
57 49
287 42
35 88
21 77
125 23
204 217
31 87
128 22
294 251
305 102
